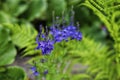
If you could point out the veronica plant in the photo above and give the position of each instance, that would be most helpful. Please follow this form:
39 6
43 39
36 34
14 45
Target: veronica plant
46 40
58 34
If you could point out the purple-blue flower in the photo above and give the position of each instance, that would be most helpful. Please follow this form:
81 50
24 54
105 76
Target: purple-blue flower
66 33
36 73
56 34
45 46
45 72
71 28
48 47
34 70
77 36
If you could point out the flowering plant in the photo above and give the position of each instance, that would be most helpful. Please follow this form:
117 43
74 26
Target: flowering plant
46 40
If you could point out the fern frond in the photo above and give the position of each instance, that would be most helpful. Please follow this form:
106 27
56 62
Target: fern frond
24 37
97 11
108 12
98 58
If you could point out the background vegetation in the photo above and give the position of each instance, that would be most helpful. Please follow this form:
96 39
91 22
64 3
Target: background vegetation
99 49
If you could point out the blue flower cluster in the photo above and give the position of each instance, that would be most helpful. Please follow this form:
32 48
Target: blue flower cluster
45 46
36 73
34 70
66 33
58 33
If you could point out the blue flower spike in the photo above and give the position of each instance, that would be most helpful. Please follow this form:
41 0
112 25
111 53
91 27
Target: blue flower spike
58 33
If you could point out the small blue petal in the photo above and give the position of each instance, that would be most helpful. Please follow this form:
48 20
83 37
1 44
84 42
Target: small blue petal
45 72
33 68
43 36
36 73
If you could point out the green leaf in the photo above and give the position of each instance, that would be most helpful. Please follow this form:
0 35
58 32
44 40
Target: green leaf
8 54
13 73
36 9
6 18
101 75
81 76
15 7
99 11
58 6
118 69
4 35
72 2
12 3
2 69
7 49
20 9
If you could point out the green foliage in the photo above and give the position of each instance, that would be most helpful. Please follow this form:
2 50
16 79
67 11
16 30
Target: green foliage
14 11
97 28
73 2
105 10
6 18
65 55
11 9
80 77
89 52
15 7
103 64
13 73
58 8
7 49
36 8
96 56
24 37
56 63
103 61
